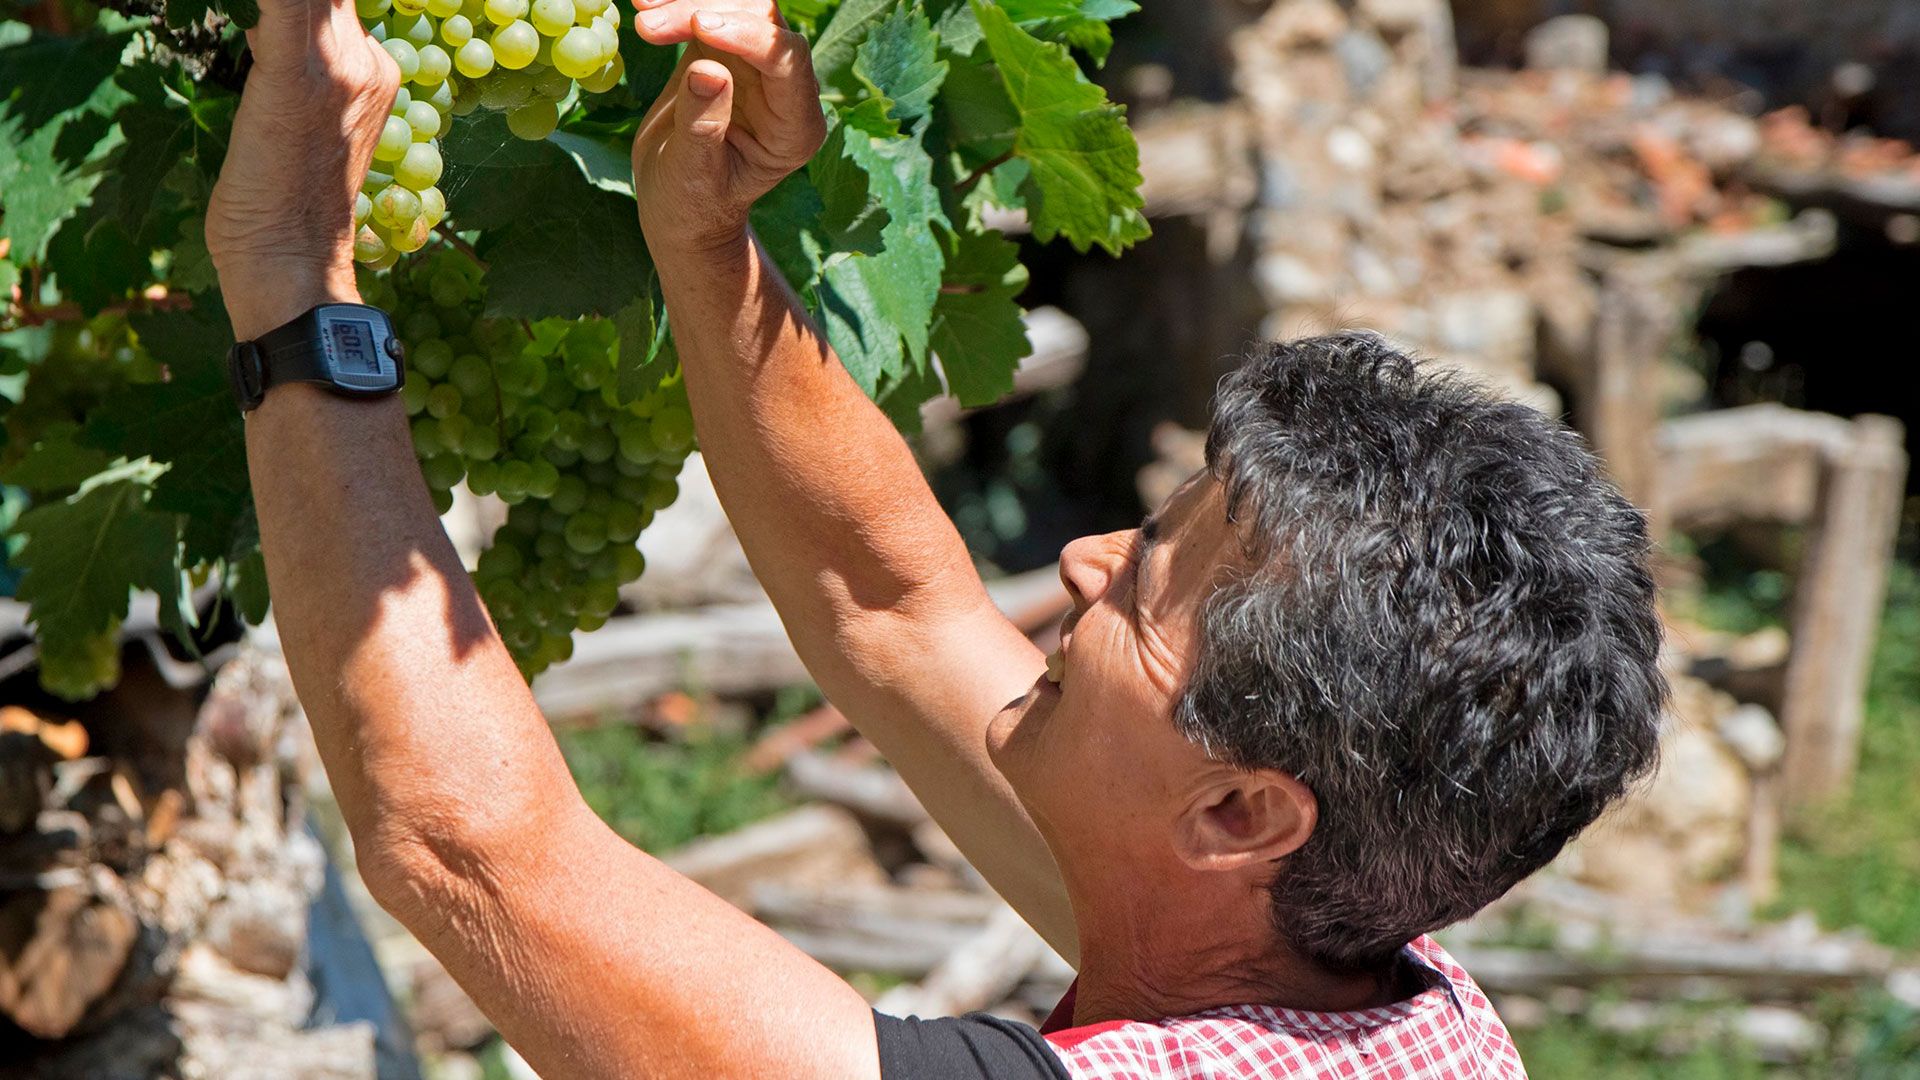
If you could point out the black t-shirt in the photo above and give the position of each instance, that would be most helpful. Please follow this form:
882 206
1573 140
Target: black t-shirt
972 1047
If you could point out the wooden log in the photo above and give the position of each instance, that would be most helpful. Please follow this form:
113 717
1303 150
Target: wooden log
722 649
1837 599
1753 463
876 794
60 951
1656 963
980 972
1619 409
817 842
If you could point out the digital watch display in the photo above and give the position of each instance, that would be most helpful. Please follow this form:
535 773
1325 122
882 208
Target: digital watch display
349 348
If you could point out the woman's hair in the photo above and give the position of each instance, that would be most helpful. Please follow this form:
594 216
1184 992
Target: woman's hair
1450 636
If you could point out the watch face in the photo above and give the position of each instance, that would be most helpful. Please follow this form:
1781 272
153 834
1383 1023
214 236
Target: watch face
362 352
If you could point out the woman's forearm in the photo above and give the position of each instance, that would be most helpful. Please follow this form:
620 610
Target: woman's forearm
428 733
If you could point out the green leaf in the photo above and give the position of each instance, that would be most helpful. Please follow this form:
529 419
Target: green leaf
94 261
556 242
902 397
787 220
833 50
56 98
978 333
82 557
244 13
48 75
645 355
904 277
898 62
1084 182
56 462
190 425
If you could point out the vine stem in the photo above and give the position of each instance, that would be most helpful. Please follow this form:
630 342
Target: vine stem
459 245
975 177
31 314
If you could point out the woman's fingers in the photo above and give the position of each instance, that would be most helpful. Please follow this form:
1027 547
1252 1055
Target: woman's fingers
671 21
774 52
705 106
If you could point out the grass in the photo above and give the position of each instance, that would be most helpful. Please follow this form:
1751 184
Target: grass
661 793
1857 863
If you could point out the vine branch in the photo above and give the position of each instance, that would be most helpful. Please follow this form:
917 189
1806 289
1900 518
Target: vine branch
975 177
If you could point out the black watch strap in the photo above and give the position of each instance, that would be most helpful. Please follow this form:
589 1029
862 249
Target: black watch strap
299 352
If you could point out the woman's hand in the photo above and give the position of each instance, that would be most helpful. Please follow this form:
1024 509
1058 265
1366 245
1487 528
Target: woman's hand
280 223
740 112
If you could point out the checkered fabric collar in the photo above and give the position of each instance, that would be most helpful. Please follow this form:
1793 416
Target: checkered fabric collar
1447 1030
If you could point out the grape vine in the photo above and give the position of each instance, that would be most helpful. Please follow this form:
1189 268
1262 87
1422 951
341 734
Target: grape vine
498 224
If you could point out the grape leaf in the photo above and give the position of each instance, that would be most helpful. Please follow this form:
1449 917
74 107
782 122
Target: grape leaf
534 201
902 397
54 127
894 288
646 356
898 62
847 27
1084 182
977 330
82 556
93 260
56 462
788 222
190 425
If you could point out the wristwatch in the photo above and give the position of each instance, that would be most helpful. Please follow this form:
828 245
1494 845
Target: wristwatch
350 349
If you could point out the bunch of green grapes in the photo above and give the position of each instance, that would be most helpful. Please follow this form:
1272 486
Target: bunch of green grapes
523 57
527 413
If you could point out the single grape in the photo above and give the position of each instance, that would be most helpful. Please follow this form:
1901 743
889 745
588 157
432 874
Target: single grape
483 477
405 55
503 12
410 7
378 32
395 137
362 206
456 30
419 167
442 471
402 98
552 17
376 179
472 375
369 10
396 207
442 500
629 563
474 58
586 532
569 495
623 523
606 78
552 84
467 100
433 206
413 237
442 96
672 429
419 326
443 401
534 121
367 245
546 480
435 65
515 43
662 492
417 29
443 9
543 56
577 53
431 357
515 477
584 11
424 119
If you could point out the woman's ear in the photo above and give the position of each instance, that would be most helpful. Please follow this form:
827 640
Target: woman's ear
1244 819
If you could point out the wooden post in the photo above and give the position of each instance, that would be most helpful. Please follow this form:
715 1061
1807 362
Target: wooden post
1840 590
1634 325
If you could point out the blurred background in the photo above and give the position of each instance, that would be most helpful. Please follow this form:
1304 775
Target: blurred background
1692 228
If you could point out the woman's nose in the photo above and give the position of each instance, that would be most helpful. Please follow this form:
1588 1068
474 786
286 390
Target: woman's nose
1089 565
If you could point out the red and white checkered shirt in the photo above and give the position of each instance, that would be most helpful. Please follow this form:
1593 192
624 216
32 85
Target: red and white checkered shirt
1448 1030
